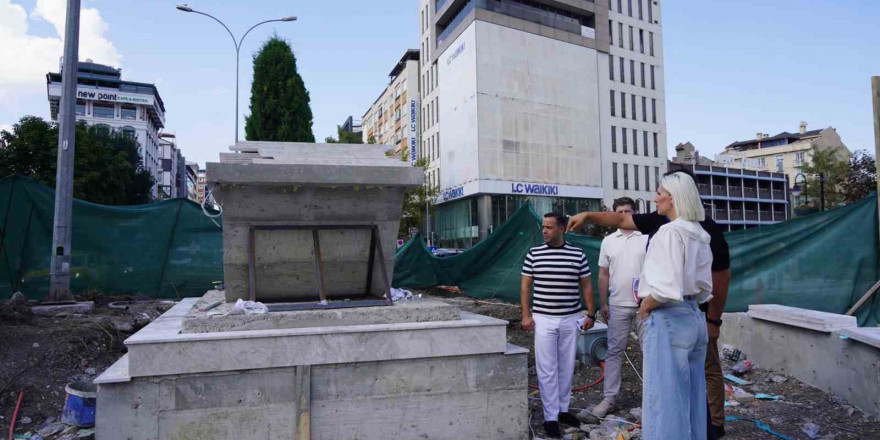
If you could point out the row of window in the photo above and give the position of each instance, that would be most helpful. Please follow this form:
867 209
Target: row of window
430 113
633 101
637 170
632 39
635 141
431 147
629 8
647 72
106 110
429 80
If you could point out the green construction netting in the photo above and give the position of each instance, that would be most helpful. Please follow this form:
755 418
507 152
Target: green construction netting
824 261
169 249
166 249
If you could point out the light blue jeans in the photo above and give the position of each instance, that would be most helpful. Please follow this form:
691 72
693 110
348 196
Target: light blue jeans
674 357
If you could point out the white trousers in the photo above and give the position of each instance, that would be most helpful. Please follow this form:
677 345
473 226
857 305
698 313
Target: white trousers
555 348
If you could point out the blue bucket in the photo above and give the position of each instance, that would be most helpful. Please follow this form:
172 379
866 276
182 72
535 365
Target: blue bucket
79 403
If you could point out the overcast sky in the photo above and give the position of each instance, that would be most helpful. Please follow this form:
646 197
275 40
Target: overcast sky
733 68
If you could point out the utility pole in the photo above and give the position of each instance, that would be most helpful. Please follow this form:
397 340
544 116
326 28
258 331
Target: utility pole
875 98
59 287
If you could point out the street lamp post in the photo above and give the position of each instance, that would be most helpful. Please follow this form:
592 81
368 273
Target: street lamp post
237 45
797 190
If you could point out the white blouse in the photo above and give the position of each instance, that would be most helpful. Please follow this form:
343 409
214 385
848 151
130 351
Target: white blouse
678 264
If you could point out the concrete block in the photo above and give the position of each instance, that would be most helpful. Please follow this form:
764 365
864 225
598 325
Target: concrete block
127 411
847 368
272 422
224 174
160 348
866 335
404 311
83 308
116 373
808 319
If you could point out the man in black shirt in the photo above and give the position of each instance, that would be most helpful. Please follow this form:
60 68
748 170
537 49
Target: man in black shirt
649 224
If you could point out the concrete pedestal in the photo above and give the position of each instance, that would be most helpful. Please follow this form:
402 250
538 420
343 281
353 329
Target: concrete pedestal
439 379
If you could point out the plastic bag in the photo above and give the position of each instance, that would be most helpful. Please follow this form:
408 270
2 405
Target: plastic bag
243 307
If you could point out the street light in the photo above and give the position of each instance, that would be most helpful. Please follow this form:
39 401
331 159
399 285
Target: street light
797 191
237 45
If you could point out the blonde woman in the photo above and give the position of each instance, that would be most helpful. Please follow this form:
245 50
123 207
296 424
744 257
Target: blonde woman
676 278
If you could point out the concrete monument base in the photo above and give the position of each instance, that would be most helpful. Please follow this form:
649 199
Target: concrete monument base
450 377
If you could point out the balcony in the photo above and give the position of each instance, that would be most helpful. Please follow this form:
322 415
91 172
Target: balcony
736 214
764 193
720 190
751 215
750 193
778 194
704 189
720 214
766 216
735 191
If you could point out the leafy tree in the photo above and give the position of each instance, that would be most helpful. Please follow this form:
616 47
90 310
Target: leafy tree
861 178
835 169
107 167
343 137
371 140
415 200
279 100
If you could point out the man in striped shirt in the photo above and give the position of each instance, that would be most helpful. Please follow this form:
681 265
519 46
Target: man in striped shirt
557 269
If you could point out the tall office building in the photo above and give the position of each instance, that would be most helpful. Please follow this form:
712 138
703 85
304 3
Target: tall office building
555 103
105 100
391 120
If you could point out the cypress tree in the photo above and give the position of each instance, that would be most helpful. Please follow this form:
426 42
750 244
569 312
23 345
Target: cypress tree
279 106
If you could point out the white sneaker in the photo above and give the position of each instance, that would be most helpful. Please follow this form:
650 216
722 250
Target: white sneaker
603 408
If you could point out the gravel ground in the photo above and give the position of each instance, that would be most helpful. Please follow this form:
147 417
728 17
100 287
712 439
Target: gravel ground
800 404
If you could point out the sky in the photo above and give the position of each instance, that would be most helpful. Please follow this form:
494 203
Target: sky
733 68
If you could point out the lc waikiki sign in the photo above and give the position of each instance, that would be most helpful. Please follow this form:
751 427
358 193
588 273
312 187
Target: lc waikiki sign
534 188
412 131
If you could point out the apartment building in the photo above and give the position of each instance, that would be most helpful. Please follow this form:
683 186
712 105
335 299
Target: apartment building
393 117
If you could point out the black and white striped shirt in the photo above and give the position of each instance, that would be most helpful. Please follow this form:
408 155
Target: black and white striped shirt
557 273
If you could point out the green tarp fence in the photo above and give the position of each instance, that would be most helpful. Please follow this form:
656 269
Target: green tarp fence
824 261
167 249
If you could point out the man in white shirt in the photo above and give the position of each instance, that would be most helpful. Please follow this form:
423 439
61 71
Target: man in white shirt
620 264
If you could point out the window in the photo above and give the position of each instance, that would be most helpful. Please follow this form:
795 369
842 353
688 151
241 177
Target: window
622 77
779 164
614 174
129 132
648 181
437 146
641 17
612 104
437 109
625 176
80 107
655 145
657 177
620 35
102 128
761 162
613 139
620 7
651 43
633 100
645 112
643 75
641 40
611 67
632 72
645 149
635 142
799 158
652 77
623 139
636 176
631 39
650 12
610 29
629 7
103 110
654 110
622 105
647 202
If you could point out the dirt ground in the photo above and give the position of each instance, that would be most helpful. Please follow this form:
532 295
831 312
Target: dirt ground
40 355
799 404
